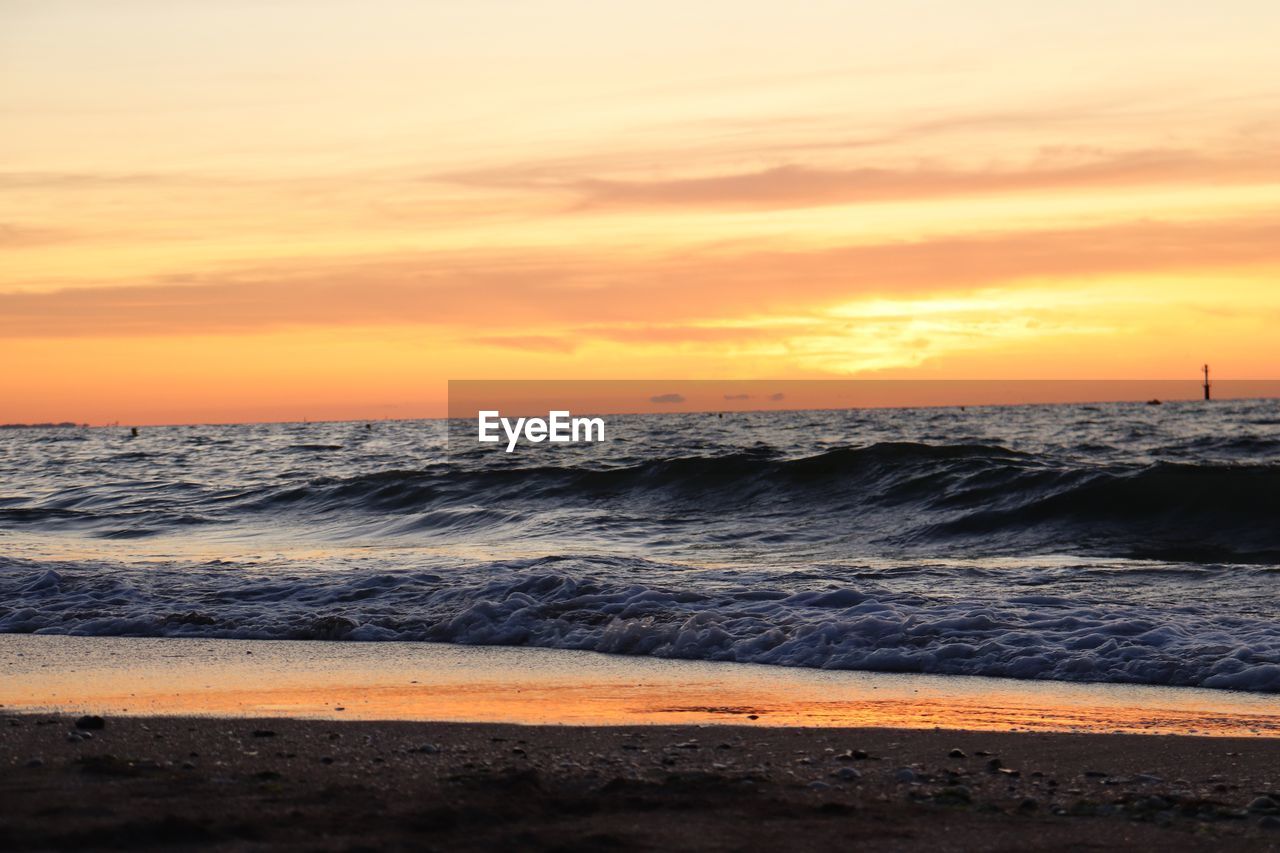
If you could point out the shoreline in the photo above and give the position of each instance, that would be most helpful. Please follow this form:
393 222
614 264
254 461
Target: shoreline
518 685
230 784
239 744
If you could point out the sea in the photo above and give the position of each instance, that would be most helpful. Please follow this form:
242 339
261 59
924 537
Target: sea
1114 542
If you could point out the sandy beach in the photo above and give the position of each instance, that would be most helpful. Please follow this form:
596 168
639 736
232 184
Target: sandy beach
222 783
109 742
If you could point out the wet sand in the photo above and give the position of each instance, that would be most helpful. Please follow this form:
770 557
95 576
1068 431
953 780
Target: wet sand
218 783
236 745
426 681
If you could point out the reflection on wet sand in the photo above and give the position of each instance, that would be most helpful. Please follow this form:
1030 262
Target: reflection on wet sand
493 684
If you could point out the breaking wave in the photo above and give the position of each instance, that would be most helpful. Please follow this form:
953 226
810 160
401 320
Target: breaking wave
1084 543
1079 623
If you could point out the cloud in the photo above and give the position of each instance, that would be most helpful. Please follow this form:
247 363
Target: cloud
667 398
713 295
14 236
89 180
797 185
529 343
737 396
676 333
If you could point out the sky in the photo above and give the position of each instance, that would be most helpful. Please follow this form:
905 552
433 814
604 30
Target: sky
322 209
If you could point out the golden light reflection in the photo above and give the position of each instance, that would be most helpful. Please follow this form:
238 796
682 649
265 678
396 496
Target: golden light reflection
421 681
205 217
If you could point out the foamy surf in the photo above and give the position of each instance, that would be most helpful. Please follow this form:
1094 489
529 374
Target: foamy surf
1134 623
1110 543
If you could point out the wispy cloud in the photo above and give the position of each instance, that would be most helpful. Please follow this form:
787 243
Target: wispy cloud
509 298
798 185
86 180
528 343
15 236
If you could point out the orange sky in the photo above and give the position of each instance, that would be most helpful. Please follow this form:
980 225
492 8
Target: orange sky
245 210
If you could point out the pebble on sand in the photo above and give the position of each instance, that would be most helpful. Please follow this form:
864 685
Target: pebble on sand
1264 805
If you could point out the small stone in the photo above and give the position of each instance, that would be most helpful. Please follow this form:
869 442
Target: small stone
957 753
817 785
1269 822
753 716
955 794
994 764
263 733
1028 804
689 744
861 754
91 721
905 776
847 774
1147 779
1263 805
1083 808
35 762
326 760
187 765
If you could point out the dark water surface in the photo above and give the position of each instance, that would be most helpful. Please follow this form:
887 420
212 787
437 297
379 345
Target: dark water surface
1109 542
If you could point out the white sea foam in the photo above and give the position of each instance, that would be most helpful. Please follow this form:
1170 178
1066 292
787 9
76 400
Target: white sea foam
1072 628
1086 543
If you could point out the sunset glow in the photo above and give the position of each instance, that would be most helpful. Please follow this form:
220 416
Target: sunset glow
266 211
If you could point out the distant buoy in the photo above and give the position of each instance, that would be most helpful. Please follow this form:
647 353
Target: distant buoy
134 432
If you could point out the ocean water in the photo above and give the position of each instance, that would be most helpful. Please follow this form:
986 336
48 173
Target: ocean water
1105 543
